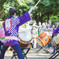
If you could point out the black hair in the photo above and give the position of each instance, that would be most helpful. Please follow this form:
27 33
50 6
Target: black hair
12 11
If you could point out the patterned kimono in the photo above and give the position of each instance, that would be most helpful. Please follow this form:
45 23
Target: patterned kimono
11 26
56 30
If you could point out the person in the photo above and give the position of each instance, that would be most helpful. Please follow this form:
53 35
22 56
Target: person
48 28
55 32
53 27
11 26
34 22
34 35
46 24
2 35
50 25
43 28
56 24
27 26
39 27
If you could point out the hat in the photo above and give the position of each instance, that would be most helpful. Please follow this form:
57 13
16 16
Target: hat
12 11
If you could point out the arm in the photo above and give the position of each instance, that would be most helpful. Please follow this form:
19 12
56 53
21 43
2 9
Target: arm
25 18
32 8
56 30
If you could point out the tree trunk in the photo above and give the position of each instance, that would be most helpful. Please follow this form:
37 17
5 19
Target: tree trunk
47 17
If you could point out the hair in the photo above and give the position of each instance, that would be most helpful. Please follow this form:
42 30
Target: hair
12 11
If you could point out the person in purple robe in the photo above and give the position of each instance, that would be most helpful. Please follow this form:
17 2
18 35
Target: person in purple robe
55 32
11 26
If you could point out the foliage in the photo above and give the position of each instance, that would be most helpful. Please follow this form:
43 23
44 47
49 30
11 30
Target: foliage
45 10
55 18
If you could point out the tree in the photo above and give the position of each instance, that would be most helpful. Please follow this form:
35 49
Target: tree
43 11
20 5
46 8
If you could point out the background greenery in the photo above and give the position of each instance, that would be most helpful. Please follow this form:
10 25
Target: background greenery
46 9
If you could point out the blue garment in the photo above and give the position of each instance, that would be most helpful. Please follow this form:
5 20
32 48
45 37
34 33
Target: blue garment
0 44
49 45
39 29
18 51
50 26
54 50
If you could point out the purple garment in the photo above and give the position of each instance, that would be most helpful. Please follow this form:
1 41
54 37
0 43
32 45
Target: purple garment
16 22
56 30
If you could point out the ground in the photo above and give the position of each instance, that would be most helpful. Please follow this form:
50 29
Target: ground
32 54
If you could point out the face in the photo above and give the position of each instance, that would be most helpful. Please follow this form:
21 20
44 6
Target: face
49 22
43 26
34 22
34 27
48 26
15 14
53 26
46 23
39 23
55 23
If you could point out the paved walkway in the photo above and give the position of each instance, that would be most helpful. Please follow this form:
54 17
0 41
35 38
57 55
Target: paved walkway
32 55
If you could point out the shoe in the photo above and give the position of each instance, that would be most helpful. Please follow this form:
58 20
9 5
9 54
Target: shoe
53 53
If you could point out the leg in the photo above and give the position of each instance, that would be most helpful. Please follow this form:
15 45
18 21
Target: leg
32 45
53 56
18 51
35 43
54 50
49 45
3 51
0 44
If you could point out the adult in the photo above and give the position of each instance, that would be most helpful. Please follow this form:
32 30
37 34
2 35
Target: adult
11 26
39 27
55 32
50 23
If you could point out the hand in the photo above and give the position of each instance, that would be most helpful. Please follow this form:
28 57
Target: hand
31 9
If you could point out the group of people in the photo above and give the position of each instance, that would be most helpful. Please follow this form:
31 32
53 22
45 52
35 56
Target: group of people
11 27
47 27
37 29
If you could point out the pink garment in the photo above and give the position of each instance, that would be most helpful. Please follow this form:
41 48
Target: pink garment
2 34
